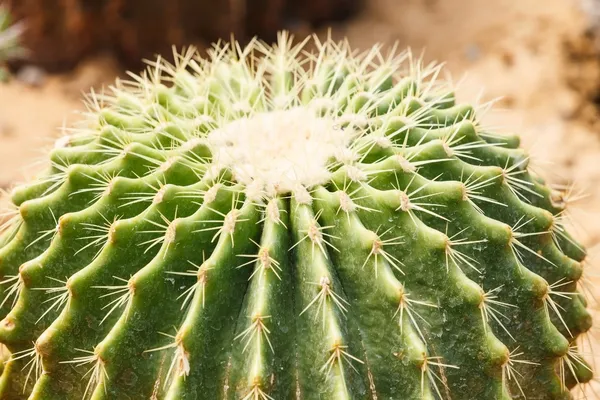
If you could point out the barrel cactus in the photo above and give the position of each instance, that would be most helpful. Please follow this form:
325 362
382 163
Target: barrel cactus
295 221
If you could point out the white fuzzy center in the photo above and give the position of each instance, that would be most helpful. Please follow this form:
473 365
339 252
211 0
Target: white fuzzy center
279 150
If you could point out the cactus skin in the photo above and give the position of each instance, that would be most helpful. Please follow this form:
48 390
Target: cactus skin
409 253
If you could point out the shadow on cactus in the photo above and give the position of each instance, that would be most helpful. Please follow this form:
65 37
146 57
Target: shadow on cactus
279 223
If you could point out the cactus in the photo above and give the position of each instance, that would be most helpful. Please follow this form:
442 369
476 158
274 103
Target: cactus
10 35
275 222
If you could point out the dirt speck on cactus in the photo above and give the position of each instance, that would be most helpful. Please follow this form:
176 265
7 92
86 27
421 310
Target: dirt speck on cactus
276 222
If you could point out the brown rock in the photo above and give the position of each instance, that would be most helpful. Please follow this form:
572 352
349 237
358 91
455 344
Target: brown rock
62 32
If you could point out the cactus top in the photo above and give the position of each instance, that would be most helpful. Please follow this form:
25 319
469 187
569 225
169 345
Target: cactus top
279 151
296 221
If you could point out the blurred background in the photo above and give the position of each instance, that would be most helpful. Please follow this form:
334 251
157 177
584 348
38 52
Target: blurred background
539 58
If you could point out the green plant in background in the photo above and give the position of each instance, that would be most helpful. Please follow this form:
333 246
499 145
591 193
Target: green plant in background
9 41
279 223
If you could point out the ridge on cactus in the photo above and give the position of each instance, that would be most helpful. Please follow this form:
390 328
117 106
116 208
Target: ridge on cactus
276 222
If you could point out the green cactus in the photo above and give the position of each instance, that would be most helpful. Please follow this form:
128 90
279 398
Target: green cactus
275 222
10 35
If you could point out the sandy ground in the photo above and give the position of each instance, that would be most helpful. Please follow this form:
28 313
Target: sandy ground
533 54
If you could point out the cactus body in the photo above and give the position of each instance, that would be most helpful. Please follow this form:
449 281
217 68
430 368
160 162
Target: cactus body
274 223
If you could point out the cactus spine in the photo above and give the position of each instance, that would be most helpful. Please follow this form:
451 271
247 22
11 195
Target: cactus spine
279 223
